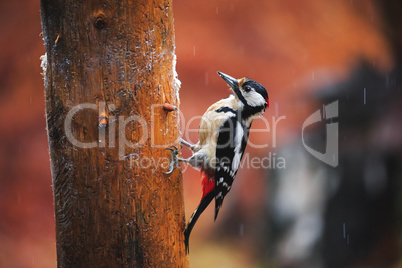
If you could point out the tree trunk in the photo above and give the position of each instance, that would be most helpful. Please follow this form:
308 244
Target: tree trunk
110 68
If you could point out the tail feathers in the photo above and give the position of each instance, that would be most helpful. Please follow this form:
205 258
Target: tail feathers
196 214
218 204
216 213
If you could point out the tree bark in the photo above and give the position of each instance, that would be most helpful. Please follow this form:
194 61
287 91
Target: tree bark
110 68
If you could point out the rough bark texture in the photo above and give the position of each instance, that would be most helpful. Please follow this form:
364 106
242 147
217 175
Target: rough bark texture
114 206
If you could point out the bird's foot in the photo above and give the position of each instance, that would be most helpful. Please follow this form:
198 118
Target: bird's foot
184 142
175 162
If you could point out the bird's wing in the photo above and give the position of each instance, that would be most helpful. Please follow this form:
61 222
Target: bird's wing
231 143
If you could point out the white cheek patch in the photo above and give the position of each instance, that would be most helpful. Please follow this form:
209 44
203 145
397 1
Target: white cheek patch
254 99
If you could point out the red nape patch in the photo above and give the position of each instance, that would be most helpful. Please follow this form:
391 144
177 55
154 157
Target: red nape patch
267 100
208 182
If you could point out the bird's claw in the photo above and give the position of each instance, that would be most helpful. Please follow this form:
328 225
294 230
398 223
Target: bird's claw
175 163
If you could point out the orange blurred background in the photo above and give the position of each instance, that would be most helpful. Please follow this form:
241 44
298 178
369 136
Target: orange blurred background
293 48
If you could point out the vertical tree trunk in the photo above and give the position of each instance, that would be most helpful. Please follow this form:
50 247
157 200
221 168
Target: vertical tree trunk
113 61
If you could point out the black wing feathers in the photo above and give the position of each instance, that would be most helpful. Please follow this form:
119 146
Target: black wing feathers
225 153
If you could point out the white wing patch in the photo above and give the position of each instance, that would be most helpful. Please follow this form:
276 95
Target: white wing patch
238 153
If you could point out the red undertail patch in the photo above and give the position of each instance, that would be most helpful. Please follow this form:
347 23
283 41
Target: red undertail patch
208 182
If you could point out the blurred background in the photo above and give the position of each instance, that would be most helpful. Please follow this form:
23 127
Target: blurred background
294 211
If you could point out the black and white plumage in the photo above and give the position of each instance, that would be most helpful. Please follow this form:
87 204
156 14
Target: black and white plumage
228 157
223 135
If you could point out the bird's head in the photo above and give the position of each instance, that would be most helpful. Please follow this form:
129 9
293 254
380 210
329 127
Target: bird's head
249 92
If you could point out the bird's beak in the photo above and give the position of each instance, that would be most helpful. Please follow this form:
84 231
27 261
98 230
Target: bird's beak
232 82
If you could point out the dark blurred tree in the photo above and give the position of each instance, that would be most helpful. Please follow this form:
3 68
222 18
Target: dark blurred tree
392 23
114 206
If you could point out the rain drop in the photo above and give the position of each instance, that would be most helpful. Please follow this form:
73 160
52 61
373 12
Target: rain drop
344 230
364 95
323 111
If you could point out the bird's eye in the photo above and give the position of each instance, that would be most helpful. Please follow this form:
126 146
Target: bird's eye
247 88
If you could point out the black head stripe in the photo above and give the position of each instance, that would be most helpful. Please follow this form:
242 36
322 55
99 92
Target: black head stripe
240 95
225 109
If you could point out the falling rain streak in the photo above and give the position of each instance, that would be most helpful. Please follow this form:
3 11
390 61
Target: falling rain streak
345 236
323 111
344 231
364 95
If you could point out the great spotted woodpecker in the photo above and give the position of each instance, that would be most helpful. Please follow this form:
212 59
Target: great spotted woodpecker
223 135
